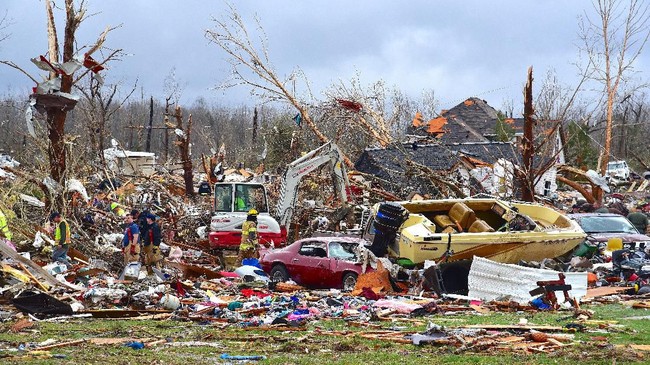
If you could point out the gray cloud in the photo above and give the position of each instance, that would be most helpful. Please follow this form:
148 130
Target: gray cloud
458 49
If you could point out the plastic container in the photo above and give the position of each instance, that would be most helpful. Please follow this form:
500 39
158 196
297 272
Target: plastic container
585 250
170 302
132 271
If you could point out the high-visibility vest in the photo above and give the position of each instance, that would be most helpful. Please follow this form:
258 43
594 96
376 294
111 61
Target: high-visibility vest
57 233
4 227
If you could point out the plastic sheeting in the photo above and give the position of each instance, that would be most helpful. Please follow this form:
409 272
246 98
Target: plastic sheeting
40 303
489 280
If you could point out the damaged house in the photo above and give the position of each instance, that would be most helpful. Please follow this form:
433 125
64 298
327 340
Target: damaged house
469 146
473 167
130 162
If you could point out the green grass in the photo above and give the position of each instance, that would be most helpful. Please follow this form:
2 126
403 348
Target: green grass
309 347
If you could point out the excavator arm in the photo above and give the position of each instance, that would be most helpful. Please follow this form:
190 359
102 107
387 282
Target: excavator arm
327 153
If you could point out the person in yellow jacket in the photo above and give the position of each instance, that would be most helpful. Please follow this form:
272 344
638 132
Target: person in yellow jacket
117 209
4 227
248 248
62 239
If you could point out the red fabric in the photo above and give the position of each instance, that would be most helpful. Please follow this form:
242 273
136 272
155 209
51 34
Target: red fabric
179 289
91 64
369 294
350 105
250 293
228 274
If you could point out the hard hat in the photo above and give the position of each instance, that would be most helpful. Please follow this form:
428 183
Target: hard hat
114 205
252 212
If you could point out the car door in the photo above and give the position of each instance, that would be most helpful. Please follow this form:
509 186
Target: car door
340 260
310 264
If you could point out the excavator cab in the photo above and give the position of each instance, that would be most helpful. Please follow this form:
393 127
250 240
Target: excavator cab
240 197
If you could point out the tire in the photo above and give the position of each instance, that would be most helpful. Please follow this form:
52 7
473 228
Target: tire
349 281
279 274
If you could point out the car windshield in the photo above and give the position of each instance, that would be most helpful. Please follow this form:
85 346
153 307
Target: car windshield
342 251
608 224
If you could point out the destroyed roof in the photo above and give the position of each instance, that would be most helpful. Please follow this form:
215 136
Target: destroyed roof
470 121
390 163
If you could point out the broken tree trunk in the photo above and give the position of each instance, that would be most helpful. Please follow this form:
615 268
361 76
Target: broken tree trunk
183 142
527 181
585 193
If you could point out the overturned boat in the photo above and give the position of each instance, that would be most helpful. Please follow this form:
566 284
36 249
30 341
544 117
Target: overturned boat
456 230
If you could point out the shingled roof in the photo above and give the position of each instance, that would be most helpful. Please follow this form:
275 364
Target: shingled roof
473 120
390 164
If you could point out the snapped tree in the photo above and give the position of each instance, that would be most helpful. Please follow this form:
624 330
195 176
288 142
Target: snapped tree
53 97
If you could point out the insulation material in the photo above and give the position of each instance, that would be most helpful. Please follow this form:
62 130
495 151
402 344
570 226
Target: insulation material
490 280
78 186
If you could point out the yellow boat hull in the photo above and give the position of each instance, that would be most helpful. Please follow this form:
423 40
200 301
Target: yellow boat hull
420 237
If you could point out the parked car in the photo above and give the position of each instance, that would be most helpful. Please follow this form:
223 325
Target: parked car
318 262
600 227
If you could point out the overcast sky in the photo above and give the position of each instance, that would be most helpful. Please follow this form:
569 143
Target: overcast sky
458 49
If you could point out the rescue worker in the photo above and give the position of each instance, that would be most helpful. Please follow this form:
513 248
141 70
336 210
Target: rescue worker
249 240
62 239
240 203
151 243
4 227
130 241
117 209
639 220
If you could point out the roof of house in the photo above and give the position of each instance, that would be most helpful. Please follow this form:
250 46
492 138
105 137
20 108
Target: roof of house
390 164
473 120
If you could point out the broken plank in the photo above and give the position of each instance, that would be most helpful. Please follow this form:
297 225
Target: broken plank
31 276
9 252
123 313
512 327
62 344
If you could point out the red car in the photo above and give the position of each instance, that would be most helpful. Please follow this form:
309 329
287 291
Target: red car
318 262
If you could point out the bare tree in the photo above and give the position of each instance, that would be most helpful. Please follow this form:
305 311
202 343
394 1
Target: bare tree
56 100
183 134
252 66
613 41
99 108
4 23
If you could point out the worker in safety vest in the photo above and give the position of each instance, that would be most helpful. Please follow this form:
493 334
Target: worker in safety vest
117 209
248 248
4 227
62 238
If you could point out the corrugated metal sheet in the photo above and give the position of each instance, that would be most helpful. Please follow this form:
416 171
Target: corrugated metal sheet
490 280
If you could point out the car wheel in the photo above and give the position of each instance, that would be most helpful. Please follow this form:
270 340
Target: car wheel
349 281
279 274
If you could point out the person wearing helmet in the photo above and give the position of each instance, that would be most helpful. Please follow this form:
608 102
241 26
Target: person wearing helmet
4 227
249 239
118 210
